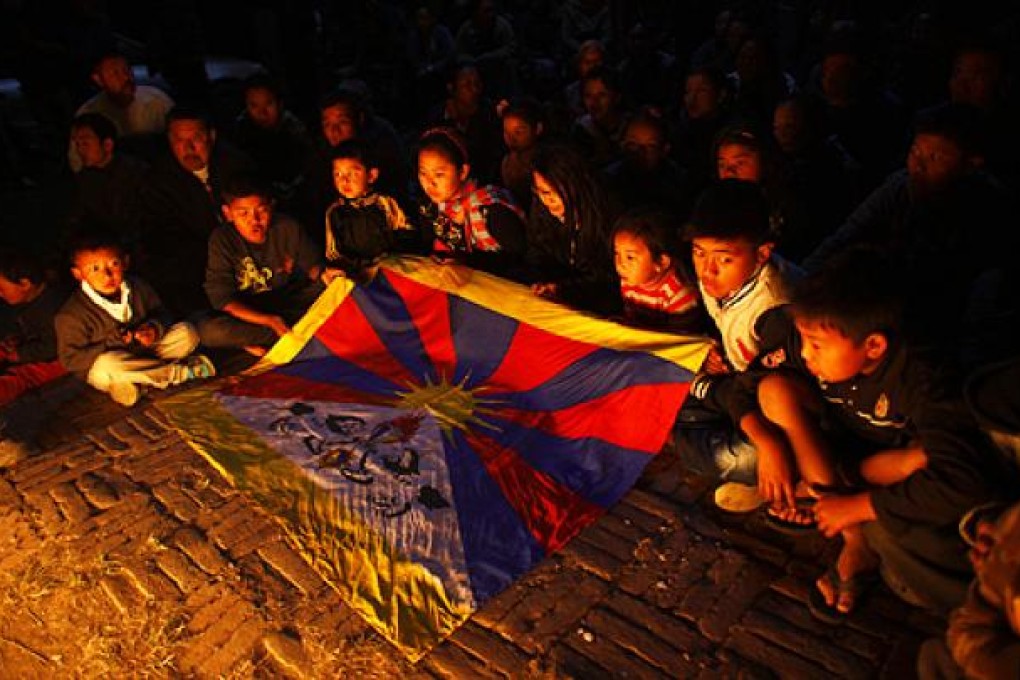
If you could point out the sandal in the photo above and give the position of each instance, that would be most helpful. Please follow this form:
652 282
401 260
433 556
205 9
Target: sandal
856 587
772 518
736 498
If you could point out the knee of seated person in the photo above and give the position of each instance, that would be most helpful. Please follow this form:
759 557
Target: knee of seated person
779 398
105 365
216 331
180 340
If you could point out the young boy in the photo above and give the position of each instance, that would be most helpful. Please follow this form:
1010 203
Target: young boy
262 271
845 387
362 225
740 278
28 355
114 333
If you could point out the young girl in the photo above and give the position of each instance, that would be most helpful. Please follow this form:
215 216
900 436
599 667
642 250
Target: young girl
362 225
655 294
480 226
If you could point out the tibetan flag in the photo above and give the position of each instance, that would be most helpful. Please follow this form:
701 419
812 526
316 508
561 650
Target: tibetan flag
429 437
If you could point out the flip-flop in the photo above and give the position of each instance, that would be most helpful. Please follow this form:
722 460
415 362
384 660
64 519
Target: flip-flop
857 586
788 527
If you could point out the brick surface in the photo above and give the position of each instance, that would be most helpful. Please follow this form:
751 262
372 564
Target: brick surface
781 661
45 511
71 503
495 651
123 593
240 646
134 437
451 661
176 501
738 591
96 491
571 664
677 632
9 498
255 533
837 661
612 659
287 655
193 544
219 521
149 581
50 462
608 542
797 615
289 565
108 442
663 585
181 571
637 640
553 608
209 606
216 633
591 558
144 423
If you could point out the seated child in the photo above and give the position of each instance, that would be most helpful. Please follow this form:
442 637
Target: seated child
28 355
479 226
740 278
655 294
114 333
844 386
262 271
361 225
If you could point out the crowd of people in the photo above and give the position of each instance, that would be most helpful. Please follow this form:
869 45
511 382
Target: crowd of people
836 216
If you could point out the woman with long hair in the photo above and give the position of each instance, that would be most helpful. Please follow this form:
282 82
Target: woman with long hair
569 249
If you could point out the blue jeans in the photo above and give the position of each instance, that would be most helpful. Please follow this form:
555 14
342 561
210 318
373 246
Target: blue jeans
718 452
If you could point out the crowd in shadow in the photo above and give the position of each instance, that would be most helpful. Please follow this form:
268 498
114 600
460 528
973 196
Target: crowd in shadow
825 190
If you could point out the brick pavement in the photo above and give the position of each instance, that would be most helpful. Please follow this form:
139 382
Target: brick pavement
662 586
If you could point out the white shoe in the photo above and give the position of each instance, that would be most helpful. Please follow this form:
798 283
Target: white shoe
125 393
737 498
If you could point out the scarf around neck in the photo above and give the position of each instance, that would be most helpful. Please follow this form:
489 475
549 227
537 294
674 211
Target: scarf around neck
120 310
466 211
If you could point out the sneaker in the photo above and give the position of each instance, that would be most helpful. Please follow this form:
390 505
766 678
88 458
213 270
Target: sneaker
198 366
737 498
125 393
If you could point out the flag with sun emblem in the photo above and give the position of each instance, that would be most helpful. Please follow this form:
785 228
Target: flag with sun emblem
428 438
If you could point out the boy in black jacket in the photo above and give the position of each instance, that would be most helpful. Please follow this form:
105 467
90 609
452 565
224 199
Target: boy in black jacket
914 458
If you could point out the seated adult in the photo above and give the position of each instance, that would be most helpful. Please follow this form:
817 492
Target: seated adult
138 112
273 136
184 204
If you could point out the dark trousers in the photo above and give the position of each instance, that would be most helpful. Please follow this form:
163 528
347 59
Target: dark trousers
219 330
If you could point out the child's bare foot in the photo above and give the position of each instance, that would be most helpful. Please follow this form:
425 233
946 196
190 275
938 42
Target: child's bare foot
843 583
797 519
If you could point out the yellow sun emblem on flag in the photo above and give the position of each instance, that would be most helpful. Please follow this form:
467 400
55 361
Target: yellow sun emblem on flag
453 405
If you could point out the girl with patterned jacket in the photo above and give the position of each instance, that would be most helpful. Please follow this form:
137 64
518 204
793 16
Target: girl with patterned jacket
479 226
